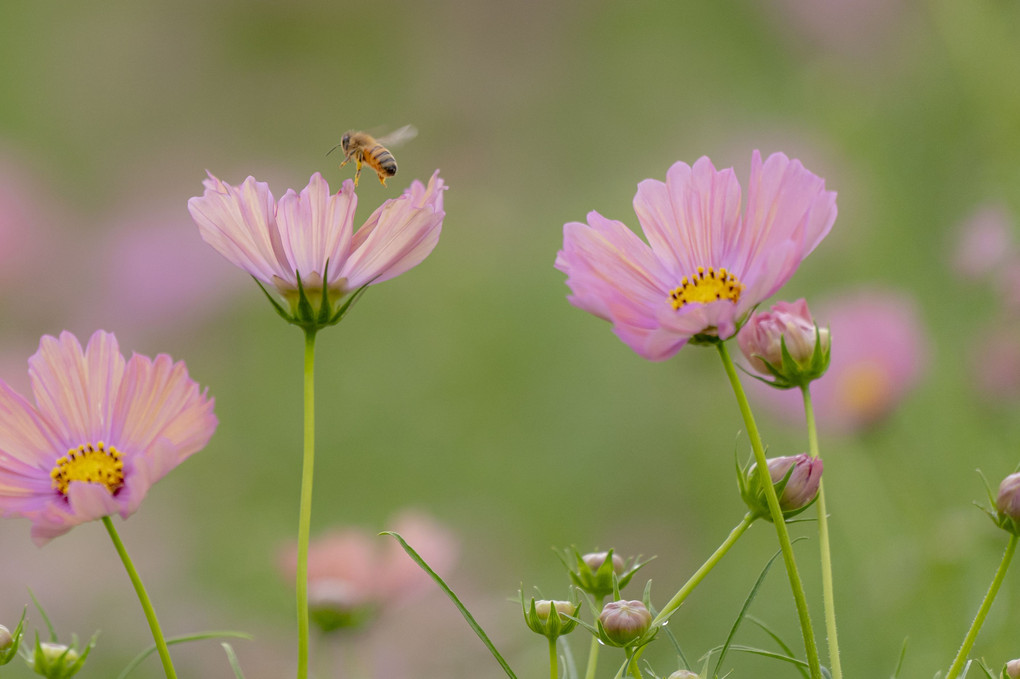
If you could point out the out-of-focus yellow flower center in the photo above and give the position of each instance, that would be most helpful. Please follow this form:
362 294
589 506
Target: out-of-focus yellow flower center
707 286
91 464
866 390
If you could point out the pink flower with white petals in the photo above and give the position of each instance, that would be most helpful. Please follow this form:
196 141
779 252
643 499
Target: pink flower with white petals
101 432
312 233
705 265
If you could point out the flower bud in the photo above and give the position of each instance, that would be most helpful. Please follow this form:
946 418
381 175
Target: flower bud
795 479
784 343
541 619
594 561
55 661
11 641
6 639
1012 669
1008 500
683 674
624 622
594 572
59 661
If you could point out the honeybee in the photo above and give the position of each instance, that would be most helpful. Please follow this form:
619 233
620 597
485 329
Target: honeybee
364 148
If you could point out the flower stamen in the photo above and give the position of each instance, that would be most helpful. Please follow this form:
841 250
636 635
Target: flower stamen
90 464
707 286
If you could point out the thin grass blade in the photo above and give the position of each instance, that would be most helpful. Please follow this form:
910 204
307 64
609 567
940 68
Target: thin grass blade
456 602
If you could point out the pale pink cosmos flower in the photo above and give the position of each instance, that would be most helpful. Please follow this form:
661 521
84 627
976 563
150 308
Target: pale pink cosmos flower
879 354
705 265
308 231
355 568
101 432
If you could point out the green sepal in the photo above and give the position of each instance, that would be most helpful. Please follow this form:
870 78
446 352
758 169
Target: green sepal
272 300
704 340
304 314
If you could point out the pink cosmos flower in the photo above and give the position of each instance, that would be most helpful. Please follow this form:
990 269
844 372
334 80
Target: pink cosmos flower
309 231
350 569
705 265
879 353
101 432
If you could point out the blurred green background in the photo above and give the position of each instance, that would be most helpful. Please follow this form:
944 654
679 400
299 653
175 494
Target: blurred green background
469 388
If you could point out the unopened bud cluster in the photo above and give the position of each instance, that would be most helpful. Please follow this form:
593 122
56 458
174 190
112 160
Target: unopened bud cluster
785 344
795 478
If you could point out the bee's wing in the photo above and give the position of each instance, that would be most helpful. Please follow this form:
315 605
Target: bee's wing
399 136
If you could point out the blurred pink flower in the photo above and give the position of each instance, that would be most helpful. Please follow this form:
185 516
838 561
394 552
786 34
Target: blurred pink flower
26 222
309 231
103 430
1009 287
984 242
151 251
995 363
879 353
355 568
705 265
855 28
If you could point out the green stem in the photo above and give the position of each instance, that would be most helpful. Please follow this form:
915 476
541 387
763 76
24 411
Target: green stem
632 661
305 516
553 673
593 653
796 586
700 574
979 619
143 598
828 595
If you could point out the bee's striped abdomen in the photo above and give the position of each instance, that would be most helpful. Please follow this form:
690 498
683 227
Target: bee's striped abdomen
383 159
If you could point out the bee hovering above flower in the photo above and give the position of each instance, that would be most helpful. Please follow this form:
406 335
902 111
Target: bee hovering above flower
364 148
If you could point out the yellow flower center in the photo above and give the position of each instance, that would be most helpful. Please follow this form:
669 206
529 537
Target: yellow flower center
707 286
91 464
866 390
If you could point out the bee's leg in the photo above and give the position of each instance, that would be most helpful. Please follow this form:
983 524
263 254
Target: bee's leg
357 173
382 179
